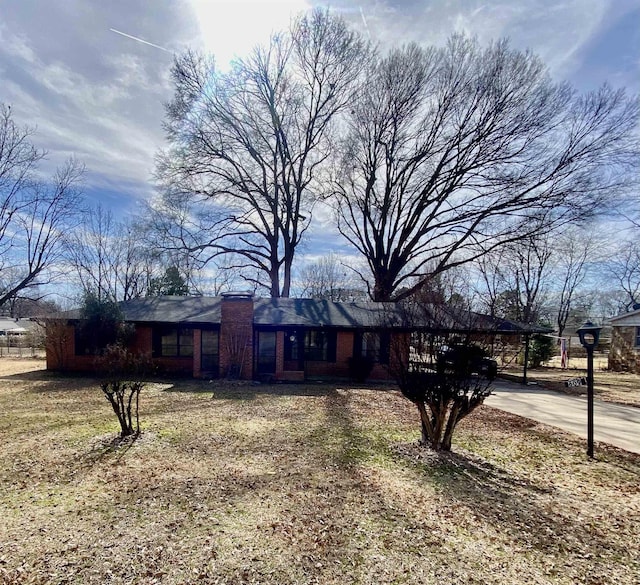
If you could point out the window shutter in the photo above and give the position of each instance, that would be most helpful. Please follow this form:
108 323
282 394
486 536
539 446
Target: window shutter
332 344
385 345
357 343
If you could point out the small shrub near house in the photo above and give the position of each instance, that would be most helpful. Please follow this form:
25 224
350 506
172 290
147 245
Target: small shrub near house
542 350
123 375
360 367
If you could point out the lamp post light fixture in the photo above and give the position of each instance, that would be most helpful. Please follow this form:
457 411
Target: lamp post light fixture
589 335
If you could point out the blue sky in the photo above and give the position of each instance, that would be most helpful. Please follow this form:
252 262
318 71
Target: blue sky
98 94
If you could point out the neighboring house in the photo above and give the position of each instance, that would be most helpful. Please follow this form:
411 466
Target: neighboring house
238 336
624 355
14 332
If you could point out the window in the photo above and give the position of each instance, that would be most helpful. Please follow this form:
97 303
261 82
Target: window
266 352
637 336
210 351
373 345
315 345
292 345
93 339
172 342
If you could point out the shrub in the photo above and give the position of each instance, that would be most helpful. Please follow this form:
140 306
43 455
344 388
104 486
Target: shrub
123 374
360 367
443 399
542 349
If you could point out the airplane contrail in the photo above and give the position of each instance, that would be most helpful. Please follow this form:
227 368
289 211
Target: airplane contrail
138 39
364 21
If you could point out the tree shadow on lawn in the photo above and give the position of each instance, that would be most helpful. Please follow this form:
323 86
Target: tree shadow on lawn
45 376
533 513
47 381
306 488
247 390
107 446
536 514
318 471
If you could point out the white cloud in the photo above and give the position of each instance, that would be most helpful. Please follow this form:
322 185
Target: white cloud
557 31
230 29
100 95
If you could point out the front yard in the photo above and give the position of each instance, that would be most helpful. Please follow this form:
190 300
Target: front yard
235 483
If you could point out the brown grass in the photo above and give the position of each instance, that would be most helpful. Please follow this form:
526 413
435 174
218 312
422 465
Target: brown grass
234 483
618 387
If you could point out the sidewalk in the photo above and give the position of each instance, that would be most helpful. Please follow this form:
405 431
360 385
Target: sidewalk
613 424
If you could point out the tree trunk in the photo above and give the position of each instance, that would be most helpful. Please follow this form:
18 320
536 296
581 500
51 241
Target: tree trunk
286 280
425 424
451 425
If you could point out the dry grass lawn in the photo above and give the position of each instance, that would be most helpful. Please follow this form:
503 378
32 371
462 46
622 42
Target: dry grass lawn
298 484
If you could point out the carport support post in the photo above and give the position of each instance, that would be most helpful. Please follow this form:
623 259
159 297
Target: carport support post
526 358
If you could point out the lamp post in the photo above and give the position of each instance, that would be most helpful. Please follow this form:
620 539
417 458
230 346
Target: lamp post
589 335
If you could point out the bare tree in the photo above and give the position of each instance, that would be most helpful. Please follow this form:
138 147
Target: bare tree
515 279
176 228
109 257
623 268
454 152
572 250
34 214
247 146
328 279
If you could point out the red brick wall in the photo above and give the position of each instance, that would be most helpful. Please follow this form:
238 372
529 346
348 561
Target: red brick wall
143 340
61 352
59 345
344 350
197 353
236 335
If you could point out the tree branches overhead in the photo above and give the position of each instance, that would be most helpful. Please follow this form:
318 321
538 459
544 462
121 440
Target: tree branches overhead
34 214
429 157
253 141
455 151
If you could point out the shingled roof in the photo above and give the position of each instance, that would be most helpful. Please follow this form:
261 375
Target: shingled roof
282 312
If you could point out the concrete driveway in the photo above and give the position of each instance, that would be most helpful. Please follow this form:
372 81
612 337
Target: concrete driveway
613 424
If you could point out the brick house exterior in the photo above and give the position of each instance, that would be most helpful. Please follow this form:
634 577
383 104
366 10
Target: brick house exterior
238 336
624 355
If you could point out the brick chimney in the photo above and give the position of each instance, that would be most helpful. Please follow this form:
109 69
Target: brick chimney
236 335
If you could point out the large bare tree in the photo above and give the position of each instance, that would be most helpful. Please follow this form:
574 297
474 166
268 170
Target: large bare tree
453 152
246 146
35 214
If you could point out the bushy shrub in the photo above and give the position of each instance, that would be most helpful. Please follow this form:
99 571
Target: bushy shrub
123 378
542 349
360 367
443 399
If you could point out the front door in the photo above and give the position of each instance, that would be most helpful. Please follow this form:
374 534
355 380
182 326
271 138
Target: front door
210 353
266 358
